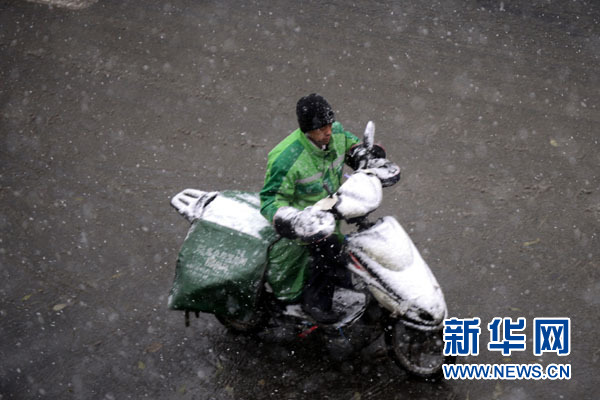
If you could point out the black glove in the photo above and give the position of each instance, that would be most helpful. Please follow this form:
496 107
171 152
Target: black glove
309 225
359 155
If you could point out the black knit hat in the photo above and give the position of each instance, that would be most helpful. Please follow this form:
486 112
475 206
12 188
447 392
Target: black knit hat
313 112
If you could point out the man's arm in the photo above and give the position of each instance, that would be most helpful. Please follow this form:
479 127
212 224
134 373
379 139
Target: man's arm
350 138
309 225
277 192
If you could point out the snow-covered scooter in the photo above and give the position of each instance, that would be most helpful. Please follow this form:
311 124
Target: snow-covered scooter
225 256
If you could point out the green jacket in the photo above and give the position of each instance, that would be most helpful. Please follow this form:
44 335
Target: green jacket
296 173
297 170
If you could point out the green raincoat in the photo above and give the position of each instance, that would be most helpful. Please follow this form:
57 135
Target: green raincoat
297 172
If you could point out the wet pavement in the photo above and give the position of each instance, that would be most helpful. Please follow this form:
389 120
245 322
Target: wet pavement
108 110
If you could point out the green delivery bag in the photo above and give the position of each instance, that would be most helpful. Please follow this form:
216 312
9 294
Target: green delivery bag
224 257
229 252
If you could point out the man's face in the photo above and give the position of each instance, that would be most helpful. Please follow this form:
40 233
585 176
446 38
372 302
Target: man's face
321 136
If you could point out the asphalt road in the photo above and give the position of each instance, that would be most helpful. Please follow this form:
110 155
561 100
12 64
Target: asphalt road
109 109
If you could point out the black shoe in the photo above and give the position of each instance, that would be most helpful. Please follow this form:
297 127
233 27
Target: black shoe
324 317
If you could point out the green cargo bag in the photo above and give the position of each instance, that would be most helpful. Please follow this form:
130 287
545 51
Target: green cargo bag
223 260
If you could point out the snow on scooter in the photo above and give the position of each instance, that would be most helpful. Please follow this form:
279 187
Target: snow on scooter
223 263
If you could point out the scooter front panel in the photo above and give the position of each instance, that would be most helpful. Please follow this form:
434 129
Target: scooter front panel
399 277
386 243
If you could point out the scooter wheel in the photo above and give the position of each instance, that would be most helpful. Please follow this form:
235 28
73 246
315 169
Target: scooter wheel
251 325
418 352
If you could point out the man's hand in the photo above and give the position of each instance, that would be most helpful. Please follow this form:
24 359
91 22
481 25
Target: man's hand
362 157
360 154
309 225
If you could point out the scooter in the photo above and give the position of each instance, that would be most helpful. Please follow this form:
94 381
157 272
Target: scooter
393 291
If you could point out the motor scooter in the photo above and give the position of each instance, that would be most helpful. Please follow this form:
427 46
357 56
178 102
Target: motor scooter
393 292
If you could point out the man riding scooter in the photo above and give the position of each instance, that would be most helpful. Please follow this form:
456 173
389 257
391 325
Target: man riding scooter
306 264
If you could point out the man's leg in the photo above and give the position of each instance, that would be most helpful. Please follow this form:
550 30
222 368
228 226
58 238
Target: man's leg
318 292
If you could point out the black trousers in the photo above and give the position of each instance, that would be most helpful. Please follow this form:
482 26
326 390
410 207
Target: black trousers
327 270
